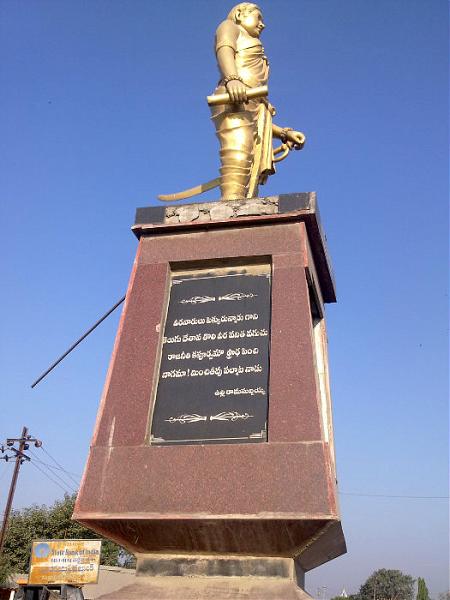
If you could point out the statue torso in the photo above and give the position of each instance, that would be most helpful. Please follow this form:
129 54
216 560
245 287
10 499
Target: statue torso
251 63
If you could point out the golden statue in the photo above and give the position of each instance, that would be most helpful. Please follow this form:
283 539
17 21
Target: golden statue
241 112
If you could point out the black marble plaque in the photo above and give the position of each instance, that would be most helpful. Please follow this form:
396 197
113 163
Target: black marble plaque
214 372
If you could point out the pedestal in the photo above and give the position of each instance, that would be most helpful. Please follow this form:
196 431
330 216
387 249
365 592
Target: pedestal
214 434
222 578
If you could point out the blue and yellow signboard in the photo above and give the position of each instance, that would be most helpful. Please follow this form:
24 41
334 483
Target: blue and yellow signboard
71 562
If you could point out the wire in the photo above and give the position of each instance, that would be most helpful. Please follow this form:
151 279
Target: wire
63 481
394 496
48 476
77 483
53 467
4 471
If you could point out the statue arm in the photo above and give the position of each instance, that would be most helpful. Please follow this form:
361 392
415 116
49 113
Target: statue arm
226 36
294 139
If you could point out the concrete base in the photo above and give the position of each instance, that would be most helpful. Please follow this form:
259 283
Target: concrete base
206 577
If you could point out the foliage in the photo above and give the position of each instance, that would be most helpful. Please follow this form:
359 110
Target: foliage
387 584
422 590
54 522
444 595
6 571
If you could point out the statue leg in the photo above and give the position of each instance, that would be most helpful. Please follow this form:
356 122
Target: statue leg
236 136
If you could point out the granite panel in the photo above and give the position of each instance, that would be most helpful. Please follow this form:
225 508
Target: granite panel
219 244
124 417
293 410
256 537
209 480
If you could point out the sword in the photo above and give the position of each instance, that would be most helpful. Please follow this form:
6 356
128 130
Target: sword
213 183
215 100
193 191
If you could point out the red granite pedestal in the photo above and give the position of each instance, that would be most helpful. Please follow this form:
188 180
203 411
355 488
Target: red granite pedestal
271 507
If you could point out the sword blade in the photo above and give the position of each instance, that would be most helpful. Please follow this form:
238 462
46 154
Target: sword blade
193 191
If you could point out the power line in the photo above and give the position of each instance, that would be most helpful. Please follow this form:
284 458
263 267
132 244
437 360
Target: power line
394 496
53 467
48 477
50 468
77 483
61 479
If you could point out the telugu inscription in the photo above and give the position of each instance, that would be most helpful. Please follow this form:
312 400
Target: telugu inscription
214 371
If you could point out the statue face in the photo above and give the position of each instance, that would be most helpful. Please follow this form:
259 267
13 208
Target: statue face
252 22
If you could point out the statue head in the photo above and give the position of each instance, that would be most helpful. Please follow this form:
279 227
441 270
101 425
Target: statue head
249 16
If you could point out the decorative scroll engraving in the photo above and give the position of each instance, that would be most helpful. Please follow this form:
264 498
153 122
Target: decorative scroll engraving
223 416
198 300
237 296
230 416
186 419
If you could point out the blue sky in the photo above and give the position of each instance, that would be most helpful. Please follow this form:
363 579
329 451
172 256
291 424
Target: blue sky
103 107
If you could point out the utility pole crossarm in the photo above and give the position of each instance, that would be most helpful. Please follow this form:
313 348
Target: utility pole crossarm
24 443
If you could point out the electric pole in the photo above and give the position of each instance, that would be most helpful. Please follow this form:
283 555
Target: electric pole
18 453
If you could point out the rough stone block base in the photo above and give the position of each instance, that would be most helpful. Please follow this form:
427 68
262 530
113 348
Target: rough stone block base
212 577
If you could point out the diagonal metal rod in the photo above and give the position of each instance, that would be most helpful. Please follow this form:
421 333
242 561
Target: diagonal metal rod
74 345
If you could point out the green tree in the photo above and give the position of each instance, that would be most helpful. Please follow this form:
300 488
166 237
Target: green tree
422 590
387 584
54 522
6 571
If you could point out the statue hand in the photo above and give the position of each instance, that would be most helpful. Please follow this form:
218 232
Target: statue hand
295 139
237 91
